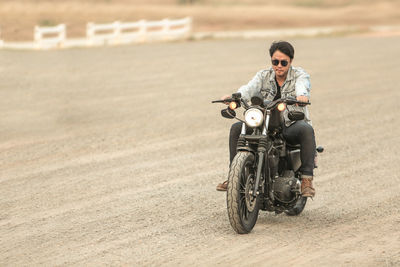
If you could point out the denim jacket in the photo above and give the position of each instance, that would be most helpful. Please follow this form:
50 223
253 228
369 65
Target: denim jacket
297 83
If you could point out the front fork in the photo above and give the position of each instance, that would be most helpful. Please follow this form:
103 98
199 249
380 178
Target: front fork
262 149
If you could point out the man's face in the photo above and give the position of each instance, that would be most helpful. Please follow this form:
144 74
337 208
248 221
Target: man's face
280 70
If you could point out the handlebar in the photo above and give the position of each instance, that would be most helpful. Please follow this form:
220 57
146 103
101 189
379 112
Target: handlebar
223 101
287 101
237 100
266 103
292 102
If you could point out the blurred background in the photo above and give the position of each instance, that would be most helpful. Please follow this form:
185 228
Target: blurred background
111 155
18 17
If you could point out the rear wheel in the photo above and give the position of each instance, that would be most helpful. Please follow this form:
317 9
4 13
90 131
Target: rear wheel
242 206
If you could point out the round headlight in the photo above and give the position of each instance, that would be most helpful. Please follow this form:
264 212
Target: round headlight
253 117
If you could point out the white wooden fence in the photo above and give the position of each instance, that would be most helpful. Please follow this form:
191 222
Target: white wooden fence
107 34
140 31
49 37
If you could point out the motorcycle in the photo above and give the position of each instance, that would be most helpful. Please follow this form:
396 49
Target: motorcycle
265 171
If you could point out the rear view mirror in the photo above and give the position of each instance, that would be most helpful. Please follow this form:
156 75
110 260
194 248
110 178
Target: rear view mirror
257 100
296 115
236 95
228 113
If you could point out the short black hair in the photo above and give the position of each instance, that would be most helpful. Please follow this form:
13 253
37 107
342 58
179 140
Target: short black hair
284 47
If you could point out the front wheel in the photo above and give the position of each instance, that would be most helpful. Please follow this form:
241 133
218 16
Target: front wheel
242 206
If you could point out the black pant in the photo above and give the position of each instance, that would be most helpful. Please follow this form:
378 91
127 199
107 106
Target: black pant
299 132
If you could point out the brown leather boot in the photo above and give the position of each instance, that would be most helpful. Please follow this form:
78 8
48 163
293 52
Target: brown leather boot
222 186
307 190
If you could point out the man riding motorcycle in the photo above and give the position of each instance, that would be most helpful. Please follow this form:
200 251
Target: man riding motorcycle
283 80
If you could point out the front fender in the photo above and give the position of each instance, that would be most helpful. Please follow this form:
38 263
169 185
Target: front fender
248 149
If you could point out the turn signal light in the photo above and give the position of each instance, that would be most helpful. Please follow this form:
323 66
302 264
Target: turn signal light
281 106
232 105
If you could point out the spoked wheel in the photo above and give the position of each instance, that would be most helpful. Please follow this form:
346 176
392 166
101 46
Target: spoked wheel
298 207
242 206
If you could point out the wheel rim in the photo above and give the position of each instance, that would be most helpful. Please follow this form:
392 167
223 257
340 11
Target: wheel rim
247 202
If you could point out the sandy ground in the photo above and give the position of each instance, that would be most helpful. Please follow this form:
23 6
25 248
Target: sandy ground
110 156
18 17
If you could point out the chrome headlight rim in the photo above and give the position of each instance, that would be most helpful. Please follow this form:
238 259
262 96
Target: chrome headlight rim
253 117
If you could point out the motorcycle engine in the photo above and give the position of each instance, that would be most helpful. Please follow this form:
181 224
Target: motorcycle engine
285 188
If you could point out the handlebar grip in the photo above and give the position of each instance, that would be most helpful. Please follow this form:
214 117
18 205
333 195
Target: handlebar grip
223 101
303 103
300 103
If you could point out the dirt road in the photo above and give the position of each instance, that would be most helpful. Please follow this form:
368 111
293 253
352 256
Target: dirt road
111 156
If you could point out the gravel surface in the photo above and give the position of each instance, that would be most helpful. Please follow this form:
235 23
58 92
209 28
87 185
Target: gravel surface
112 155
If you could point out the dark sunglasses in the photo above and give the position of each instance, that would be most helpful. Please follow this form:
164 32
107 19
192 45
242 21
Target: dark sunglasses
284 63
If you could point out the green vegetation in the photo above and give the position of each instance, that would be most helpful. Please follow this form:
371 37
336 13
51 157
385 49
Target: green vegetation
302 3
188 2
47 23
328 3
